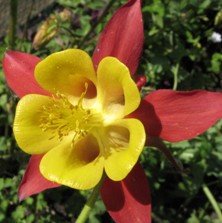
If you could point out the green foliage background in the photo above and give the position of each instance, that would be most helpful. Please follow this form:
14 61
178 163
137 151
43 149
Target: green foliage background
178 53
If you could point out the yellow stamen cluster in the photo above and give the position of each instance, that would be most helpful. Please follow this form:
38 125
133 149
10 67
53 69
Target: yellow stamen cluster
63 118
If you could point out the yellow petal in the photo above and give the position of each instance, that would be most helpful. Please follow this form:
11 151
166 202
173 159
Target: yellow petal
117 92
126 140
67 72
29 135
79 166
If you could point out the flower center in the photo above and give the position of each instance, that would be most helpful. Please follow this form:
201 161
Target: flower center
61 118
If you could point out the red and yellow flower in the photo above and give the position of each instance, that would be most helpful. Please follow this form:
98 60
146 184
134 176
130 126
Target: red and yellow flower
81 129
79 117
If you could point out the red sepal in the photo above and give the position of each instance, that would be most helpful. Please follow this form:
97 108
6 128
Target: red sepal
19 72
128 200
33 182
175 116
123 36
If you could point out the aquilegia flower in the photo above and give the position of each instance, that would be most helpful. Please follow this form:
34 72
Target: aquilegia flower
81 129
114 131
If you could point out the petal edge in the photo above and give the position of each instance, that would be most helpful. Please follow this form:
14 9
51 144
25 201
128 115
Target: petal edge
33 182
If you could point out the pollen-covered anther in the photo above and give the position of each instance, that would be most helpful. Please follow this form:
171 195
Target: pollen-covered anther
63 118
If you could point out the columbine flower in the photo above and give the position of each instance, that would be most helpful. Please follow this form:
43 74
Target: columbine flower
165 114
81 129
49 28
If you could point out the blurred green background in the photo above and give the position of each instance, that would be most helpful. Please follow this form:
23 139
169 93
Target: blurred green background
183 51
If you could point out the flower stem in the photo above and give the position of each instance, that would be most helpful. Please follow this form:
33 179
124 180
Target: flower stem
84 214
12 24
213 201
175 75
